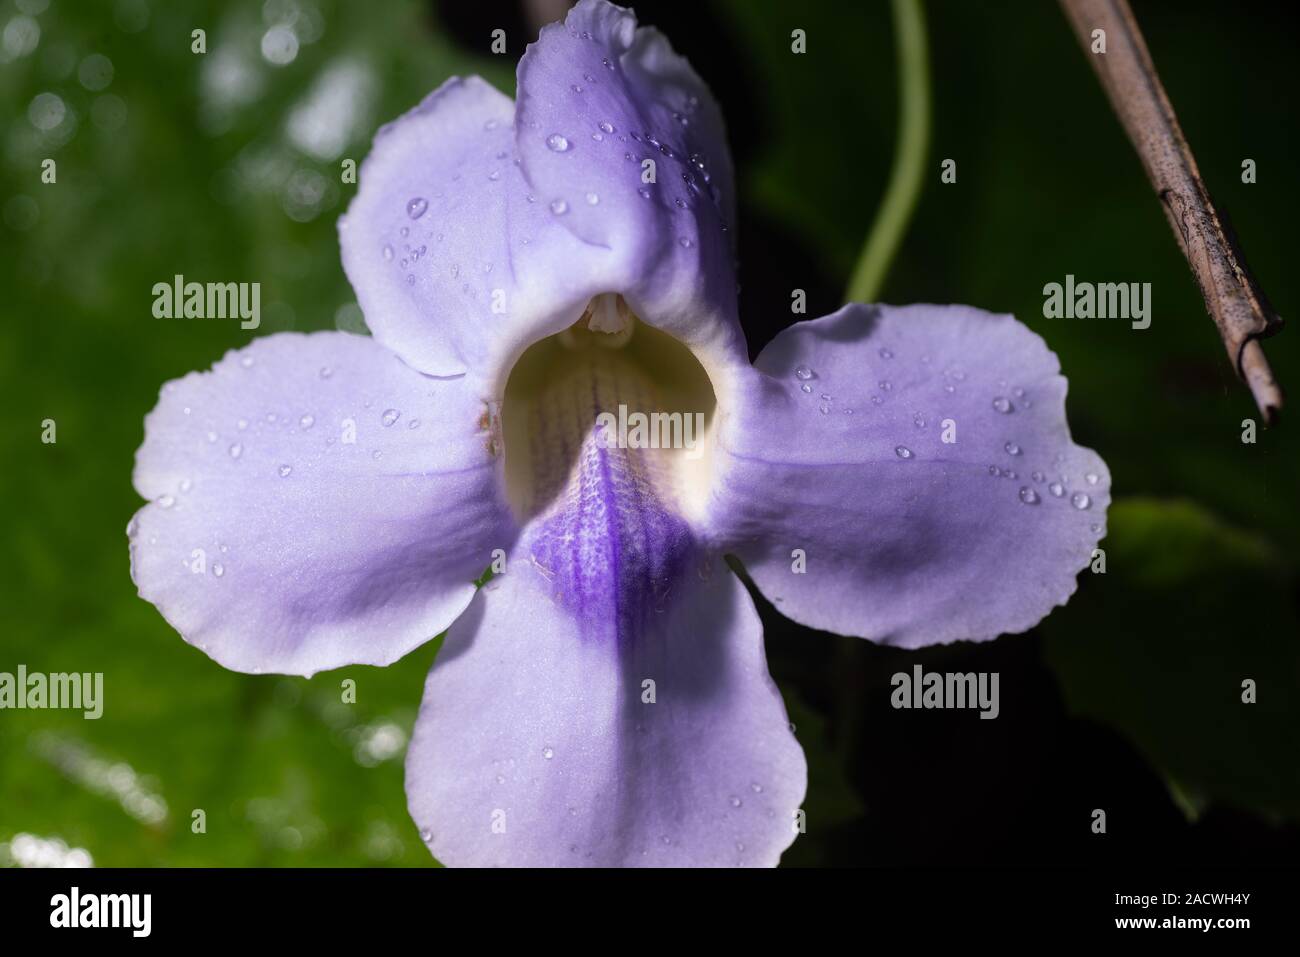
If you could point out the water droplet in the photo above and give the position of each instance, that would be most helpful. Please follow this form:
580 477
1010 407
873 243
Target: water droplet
1092 478
388 253
825 409
806 387
413 424
390 416
876 400
236 450
885 385
1080 500
1018 392
307 421
415 208
918 420
166 501
805 373
1003 405
557 143
286 471
734 801
606 127
994 471
185 485
501 779
685 243
592 199
950 389
645 192
548 753
1028 495
427 835
903 452
1038 476
218 569
886 354
607 64
326 372
494 175
559 207
1012 448
756 788
376 454
410 279
1057 489
575 88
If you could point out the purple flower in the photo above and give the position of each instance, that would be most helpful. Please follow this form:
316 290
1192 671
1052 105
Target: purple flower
534 273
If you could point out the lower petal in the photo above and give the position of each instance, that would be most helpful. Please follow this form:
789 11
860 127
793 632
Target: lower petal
907 475
537 747
315 503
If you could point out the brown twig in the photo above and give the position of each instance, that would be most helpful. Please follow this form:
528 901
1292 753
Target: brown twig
1233 299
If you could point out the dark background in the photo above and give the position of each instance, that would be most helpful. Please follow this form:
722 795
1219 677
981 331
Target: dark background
1128 699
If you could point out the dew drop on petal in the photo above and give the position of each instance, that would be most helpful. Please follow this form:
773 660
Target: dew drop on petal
1012 448
806 387
166 501
903 452
307 421
1028 496
592 199
1057 489
994 471
685 243
390 416
886 354
286 471
415 207
1092 478
218 569
1003 405
236 450
805 373
645 192
1080 500
557 143
559 207
388 253
606 127
734 801
1038 476
326 372
548 753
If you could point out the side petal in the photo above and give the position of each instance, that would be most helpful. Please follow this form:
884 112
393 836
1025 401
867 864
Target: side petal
427 227
537 747
598 97
314 503
920 459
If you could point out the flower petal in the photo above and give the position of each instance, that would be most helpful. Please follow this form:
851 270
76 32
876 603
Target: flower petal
425 240
535 747
598 97
315 503
910 539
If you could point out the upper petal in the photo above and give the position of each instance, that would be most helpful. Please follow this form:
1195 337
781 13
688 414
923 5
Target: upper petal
598 97
536 747
315 503
920 459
